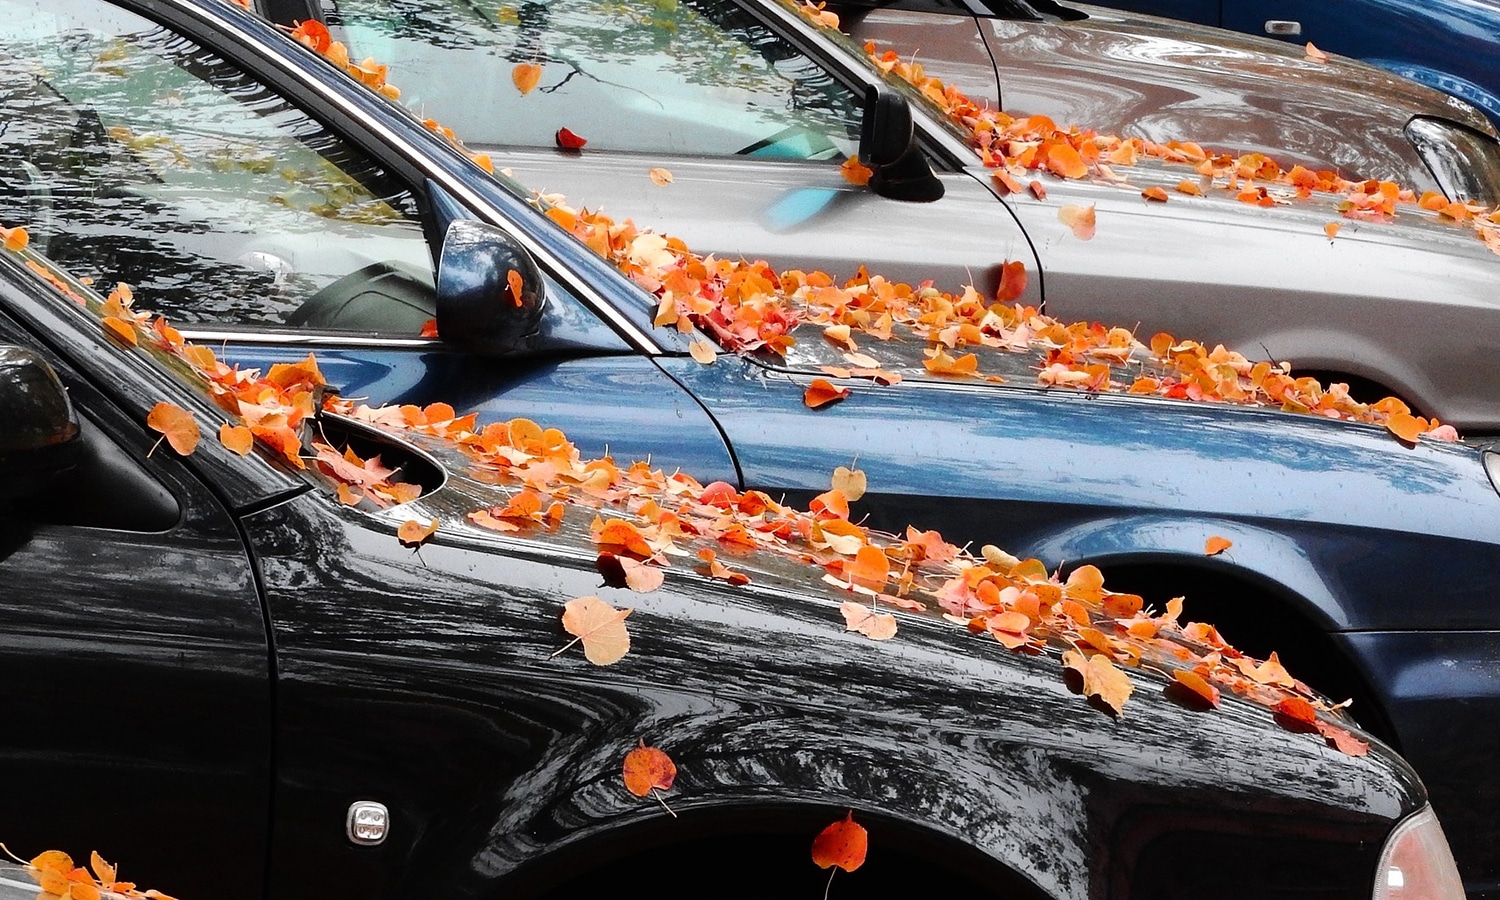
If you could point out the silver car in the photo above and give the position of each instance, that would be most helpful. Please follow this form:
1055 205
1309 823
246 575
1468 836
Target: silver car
751 107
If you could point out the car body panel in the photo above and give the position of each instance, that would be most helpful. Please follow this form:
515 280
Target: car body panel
1448 45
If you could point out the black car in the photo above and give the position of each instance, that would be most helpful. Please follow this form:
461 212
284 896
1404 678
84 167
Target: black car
245 683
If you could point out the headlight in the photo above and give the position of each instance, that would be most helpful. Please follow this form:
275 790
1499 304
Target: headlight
1417 864
1465 162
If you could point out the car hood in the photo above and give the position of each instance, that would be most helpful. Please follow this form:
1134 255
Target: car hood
1139 76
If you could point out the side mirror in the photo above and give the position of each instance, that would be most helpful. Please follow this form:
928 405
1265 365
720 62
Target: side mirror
887 145
490 293
39 437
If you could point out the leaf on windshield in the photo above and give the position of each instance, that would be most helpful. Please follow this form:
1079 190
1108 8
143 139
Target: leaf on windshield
14 239
567 140
526 76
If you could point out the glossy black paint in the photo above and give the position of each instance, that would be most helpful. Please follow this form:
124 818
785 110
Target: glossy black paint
141 666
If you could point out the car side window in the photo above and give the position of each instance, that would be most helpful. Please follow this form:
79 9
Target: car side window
687 77
133 154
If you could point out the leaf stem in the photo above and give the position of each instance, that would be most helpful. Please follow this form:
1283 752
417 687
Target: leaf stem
565 647
659 799
832 871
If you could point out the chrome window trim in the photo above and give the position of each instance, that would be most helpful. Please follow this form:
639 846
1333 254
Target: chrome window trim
473 200
310 338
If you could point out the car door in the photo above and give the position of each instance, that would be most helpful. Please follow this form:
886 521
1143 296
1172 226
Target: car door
138 153
133 649
706 120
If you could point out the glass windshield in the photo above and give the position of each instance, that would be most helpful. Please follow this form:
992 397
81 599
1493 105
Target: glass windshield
693 77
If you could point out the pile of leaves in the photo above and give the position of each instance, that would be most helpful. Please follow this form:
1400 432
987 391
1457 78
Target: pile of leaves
59 877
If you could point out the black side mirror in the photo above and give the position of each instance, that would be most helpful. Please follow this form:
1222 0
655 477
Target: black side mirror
40 434
887 145
490 293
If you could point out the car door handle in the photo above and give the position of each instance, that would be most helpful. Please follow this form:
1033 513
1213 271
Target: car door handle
1283 27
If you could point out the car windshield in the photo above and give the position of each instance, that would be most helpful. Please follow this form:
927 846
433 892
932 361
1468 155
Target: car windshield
698 77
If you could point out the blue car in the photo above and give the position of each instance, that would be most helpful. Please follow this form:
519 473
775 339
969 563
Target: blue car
1450 45
188 147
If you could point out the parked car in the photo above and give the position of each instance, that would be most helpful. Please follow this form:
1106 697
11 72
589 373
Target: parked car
1449 45
643 88
310 211
222 672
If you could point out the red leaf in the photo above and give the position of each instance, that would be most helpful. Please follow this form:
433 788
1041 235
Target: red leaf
843 844
568 140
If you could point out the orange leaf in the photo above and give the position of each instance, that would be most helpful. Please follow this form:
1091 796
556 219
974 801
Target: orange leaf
1155 192
1296 714
821 393
1342 741
1078 218
1332 230
647 769
1314 54
1199 685
856 172
871 569
1190 188
1405 426
514 282
1101 678
176 424
843 844
873 625
314 34
1038 190
1216 545
944 364
660 177
599 626
1012 281
625 535
15 239
1063 160
120 330
238 438
102 870
526 77
413 533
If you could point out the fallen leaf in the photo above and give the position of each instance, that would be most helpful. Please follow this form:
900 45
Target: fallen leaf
238 438
1342 741
1101 678
856 172
515 284
1155 192
567 140
1314 54
648 769
1198 685
821 393
1405 426
1191 188
1012 281
874 625
120 330
660 177
843 844
1216 545
1332 230
622 571
703 351
871 568
851 482
176 425
599 626
1078 218
1038 190
414 534
526 77
14 239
